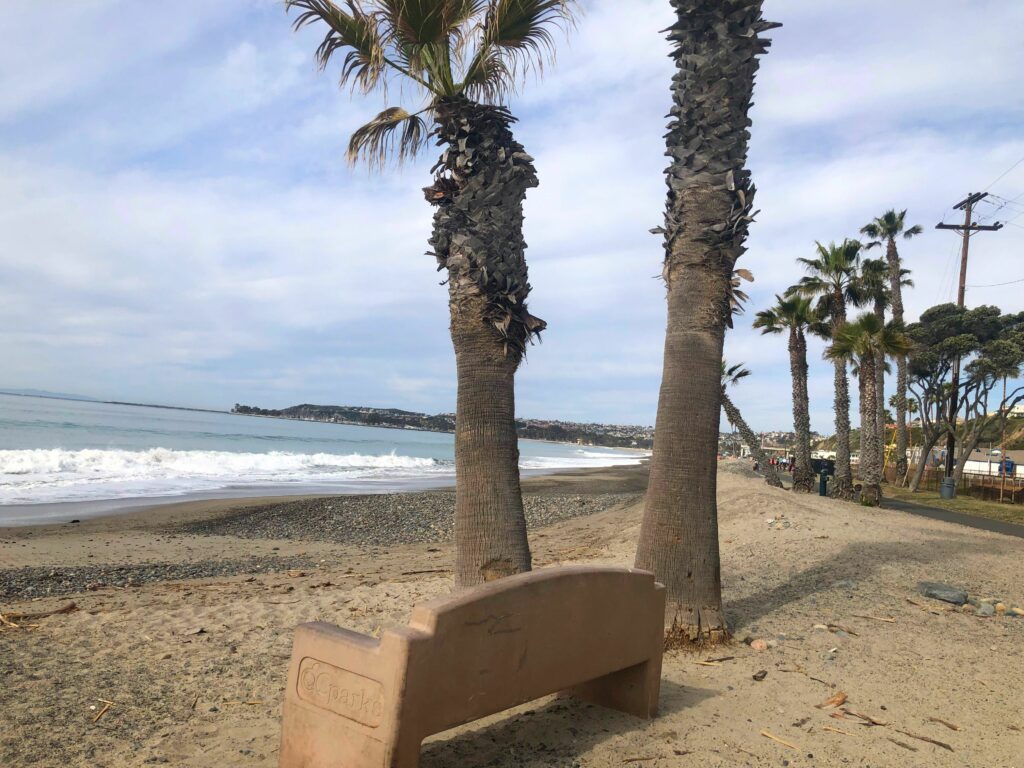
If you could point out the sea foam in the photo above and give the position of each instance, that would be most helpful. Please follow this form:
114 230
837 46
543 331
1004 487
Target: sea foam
49 475
34 476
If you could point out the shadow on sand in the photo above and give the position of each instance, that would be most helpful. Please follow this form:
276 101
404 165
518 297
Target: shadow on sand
556 732
857 561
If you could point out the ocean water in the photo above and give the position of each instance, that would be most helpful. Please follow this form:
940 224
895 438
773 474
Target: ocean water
101 455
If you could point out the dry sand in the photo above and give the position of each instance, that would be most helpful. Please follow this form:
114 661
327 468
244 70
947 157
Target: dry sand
196 668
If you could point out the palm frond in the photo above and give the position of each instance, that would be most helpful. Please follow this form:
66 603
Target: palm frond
355 30
379 139
427 35
732 373
768 321
428 22
868 336
738 297
520 34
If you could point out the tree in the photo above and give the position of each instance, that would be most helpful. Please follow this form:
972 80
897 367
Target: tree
886 229
866 341
990 345
708 208
463 57
832 280
874 287
796 316
730 376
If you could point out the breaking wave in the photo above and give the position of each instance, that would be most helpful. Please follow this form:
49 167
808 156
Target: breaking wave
34 476
48 475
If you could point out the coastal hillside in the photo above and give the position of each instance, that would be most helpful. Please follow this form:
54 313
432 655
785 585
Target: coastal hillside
609 435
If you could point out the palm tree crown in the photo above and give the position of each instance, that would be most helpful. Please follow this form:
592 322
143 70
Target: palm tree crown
832 277
867 337
447 49
791 311
889 226
874 285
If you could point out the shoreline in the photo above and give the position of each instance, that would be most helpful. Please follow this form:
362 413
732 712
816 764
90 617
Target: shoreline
159 511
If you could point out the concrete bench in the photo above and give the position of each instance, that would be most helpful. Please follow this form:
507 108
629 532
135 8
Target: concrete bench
353 701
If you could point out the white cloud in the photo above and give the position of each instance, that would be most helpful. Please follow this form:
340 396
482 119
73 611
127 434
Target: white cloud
177 222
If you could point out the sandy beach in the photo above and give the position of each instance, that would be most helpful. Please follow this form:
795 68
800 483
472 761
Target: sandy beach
184 617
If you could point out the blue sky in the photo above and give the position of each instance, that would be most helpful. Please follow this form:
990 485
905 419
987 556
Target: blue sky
178 224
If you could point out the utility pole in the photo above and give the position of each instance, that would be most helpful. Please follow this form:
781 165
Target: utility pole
965 230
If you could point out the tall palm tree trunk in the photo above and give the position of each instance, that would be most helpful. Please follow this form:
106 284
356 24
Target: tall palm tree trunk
490 527
707 210
880 441
679 535
732 413
871 489
842 487
896 298
479 189
803 476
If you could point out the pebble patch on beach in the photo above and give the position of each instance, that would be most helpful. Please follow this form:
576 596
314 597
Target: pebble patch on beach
26 583
387 519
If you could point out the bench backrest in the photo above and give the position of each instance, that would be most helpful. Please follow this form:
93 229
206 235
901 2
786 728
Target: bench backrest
525 636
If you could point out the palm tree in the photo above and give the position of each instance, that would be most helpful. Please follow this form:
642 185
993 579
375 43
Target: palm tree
716 45
463 57
730 376
832 280
886 228
865 341
796 316
875 289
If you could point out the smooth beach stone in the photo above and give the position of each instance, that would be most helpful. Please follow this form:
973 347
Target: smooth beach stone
944 592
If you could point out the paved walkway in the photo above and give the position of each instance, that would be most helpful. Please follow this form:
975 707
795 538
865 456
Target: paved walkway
949 516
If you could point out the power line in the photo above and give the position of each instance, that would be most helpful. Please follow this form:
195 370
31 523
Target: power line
1010 202
996 285
1006 172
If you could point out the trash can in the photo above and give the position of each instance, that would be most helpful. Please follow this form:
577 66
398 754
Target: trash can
948 488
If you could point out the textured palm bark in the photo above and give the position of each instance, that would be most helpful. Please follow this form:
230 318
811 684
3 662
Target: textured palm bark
707 211
490 527
871 488
679 535
880 441
803 475
479 188
896 299
842 486
732 413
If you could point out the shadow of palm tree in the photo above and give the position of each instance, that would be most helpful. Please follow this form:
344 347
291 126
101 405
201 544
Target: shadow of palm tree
555 732
856 562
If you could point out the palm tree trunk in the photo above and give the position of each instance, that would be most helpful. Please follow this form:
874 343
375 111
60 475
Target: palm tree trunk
479 190
880 441
896 291
679 535
490 527
732 413
843 484
871 489
803 476
707 211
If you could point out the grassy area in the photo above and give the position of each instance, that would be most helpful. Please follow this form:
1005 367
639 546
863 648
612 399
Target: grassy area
1011 513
